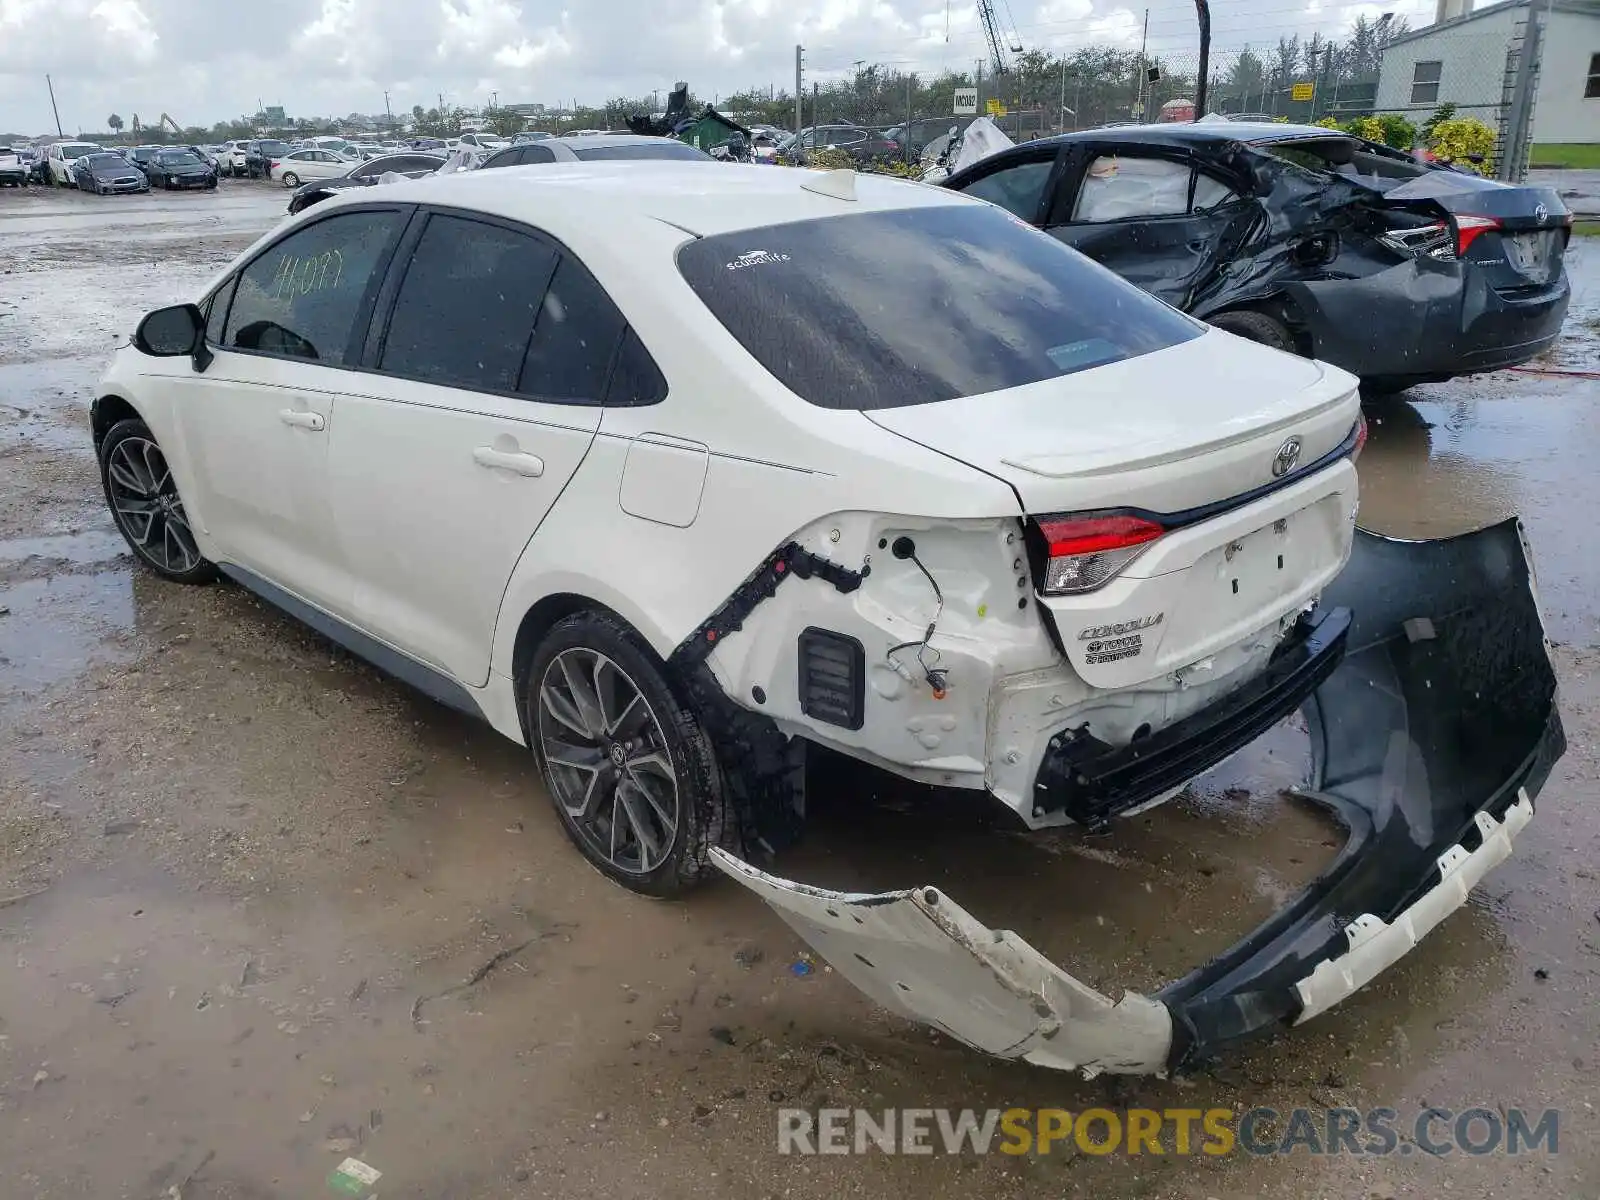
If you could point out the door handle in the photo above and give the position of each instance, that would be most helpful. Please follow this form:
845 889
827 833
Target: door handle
522 463
301 419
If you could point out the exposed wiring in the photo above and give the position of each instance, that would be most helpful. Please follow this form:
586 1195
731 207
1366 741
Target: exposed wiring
936 677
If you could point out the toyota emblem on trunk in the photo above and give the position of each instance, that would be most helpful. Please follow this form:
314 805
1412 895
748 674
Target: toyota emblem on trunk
1285 459
1541 214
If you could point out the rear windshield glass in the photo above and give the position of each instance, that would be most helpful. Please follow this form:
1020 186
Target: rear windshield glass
661 149
912 306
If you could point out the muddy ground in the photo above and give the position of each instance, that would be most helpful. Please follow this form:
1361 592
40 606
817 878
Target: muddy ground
261 907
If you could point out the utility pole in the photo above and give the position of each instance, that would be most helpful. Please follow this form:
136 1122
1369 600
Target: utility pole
799 88
53 107
979 86
1144 41
1203 11
1061 115
388 112
910 79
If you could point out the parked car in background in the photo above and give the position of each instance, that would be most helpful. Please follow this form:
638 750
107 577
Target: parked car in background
428 143
488 142
297 166
863 145
411 163
920 133
595 148
105 173
231 161
1305 239
15 171
60 157
180 168
140 156
259 156
531 135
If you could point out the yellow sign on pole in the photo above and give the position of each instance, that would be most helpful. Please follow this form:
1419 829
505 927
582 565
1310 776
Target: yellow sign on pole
996 109
1302 91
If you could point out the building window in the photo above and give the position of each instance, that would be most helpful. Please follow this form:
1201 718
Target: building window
1425 82
1591 89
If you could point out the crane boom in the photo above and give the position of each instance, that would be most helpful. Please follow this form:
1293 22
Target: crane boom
991 30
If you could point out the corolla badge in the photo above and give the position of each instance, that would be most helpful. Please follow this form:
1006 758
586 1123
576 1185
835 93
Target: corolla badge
1287 457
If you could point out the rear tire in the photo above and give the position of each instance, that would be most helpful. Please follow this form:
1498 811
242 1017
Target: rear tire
144 502
1257 327
291 180
628 766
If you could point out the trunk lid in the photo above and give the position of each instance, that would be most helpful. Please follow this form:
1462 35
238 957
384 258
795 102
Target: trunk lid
1175 429
1195 436
1516 235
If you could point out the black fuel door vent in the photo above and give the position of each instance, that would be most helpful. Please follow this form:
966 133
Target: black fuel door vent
833 678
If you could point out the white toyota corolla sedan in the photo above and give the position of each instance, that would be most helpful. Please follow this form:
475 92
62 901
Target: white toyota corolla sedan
550 445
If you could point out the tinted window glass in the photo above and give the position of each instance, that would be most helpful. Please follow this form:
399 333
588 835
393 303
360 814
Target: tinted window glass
636 379
537 154
665 148
1016 189
301 299
468 304
505 158
884 309
217 312
569 357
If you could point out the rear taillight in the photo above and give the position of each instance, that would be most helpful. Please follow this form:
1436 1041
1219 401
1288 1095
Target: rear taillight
1468 229
1084 552
273 165
1361 436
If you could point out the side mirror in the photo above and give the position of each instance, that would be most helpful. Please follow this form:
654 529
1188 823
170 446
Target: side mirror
171 332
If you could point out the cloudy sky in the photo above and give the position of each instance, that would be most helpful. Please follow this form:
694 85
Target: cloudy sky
207 60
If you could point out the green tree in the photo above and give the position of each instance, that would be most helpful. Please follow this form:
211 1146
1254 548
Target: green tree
504 122
114 123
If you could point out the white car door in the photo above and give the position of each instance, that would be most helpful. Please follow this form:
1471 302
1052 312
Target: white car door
485 400
256 423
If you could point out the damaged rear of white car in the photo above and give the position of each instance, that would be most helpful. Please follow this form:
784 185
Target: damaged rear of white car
1181 572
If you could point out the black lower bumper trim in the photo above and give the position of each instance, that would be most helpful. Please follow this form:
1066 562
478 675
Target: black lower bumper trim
1092 781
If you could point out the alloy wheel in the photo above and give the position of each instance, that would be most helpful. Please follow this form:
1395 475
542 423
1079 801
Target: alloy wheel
144 500
607 761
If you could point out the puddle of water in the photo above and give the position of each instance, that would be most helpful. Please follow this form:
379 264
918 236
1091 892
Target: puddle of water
55 626
81 548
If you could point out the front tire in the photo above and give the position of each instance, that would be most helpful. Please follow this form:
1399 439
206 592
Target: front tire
144 502
629 767
1257 327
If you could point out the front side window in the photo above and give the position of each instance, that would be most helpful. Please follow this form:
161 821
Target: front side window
1017 189
304 296
1591 87
914 306
469 301
1425 78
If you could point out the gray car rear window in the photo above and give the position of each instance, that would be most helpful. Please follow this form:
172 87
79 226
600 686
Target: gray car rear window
913 306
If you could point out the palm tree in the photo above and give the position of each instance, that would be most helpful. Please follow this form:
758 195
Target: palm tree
115 123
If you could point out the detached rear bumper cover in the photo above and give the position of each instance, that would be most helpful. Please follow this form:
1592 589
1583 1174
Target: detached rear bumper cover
1429 742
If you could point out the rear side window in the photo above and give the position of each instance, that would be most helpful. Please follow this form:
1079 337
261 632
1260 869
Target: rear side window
574 339
912 306
635 380
470 299
1119 187
537 154
304 296
1017 189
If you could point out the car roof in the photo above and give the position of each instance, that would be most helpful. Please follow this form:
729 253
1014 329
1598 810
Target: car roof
581 140
1197 133
702 201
